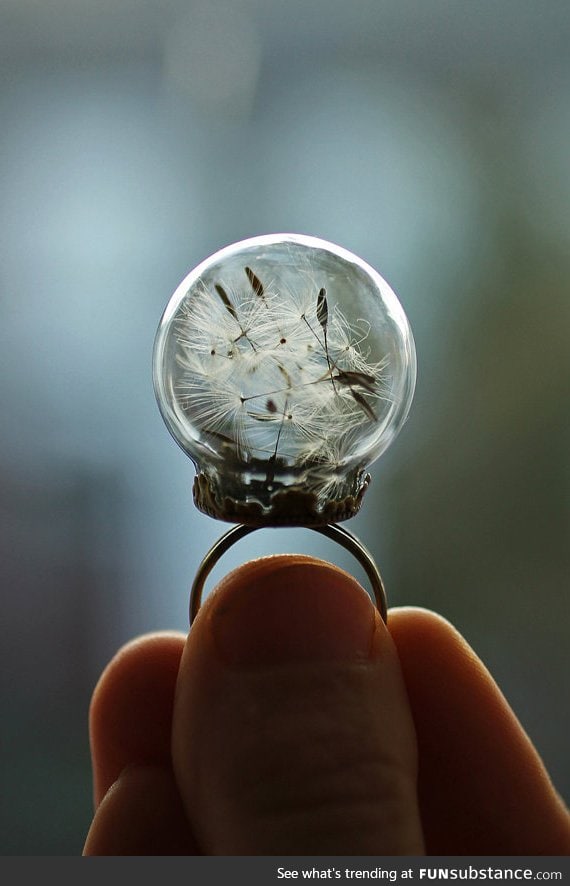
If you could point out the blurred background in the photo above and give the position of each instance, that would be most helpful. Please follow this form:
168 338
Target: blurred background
138 137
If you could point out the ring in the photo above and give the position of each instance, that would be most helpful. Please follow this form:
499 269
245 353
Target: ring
336 533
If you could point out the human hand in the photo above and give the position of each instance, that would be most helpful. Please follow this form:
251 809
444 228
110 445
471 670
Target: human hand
293 722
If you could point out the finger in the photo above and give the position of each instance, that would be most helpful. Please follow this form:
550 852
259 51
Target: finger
139 811
131 711
141 814
483 788
291 730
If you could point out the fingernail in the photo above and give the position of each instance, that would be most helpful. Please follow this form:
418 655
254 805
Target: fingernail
287 609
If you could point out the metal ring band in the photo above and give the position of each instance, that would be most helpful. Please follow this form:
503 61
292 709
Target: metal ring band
332 531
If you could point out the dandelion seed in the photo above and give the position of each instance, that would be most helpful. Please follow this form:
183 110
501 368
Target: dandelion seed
225 299
256 283
364 404
354 378
322 309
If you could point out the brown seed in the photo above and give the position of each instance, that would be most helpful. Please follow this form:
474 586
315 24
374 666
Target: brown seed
256 283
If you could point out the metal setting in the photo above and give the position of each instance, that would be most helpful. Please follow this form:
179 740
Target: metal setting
336 533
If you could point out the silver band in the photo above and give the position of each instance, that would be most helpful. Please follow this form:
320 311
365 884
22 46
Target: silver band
331 530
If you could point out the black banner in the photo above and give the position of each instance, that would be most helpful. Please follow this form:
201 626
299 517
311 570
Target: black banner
275 871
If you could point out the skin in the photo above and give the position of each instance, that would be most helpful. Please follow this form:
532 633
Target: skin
292 721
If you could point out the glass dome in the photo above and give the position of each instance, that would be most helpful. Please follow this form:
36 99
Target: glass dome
283 366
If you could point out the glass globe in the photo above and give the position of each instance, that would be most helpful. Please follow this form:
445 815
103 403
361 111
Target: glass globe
283 366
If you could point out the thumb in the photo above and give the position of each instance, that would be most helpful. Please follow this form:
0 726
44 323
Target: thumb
292 733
